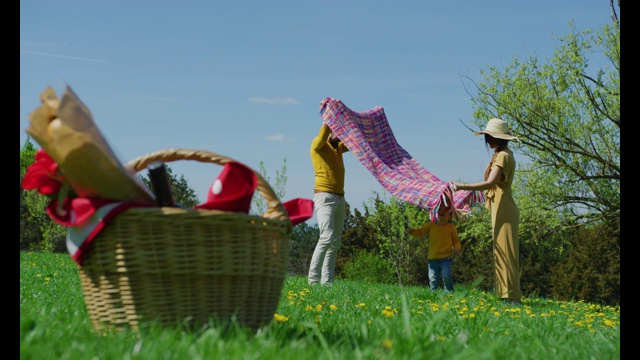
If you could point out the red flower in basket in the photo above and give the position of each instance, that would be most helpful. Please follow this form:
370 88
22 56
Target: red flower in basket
43 175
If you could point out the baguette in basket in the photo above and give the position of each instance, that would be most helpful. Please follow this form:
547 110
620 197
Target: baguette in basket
66 131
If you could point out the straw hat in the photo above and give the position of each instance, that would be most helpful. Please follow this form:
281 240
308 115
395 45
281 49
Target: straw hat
498 129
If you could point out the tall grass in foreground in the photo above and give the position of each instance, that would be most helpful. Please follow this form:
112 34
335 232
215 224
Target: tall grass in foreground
349 320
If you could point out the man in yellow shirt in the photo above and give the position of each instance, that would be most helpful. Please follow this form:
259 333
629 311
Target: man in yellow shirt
443 243
329 204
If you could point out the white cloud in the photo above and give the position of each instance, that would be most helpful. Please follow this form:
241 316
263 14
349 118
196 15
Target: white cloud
276 137
274 101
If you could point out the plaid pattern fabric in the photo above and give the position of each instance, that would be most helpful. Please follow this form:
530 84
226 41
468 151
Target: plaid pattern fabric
370 139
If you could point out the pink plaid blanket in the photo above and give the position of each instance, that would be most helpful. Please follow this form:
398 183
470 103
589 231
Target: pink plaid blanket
370 139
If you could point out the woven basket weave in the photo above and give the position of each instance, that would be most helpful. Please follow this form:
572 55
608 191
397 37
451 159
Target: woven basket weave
176 265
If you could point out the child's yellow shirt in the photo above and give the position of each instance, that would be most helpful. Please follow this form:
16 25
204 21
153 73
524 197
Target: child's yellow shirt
442 239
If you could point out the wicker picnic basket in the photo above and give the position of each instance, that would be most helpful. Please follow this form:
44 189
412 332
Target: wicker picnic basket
179 266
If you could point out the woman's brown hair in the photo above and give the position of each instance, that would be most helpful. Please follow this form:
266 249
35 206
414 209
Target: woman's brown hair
501 144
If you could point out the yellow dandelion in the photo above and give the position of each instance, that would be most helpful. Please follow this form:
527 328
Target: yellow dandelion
609 323
387 312
387 344
333 307
280 318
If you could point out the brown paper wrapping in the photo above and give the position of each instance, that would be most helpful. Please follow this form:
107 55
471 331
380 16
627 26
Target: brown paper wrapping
66 131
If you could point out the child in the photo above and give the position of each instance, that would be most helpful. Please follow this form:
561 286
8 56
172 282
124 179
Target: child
443 243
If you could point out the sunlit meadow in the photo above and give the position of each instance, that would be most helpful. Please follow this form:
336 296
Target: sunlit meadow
349 320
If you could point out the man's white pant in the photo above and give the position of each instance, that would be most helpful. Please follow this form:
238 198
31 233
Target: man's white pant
331 211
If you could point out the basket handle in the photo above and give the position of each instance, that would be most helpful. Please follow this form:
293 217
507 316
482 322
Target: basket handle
275 209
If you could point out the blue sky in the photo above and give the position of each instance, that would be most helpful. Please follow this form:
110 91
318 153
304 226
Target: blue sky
244 79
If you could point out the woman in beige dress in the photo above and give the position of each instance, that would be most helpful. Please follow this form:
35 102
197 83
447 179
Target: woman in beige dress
505 215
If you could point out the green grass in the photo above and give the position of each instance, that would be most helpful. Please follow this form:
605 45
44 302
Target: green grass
350 320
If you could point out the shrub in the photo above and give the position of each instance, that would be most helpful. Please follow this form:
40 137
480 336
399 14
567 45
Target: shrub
301 245
369 267
592 269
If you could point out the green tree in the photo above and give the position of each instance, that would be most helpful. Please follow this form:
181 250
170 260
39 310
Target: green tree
390 221
258 204
183 194
590 271
357 236
37 231
301 245
27 153
567 116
